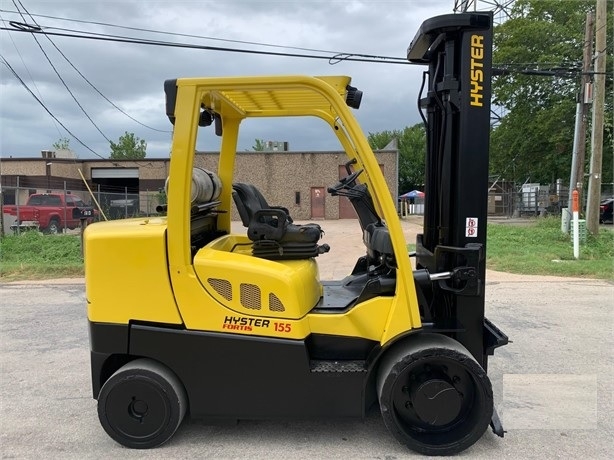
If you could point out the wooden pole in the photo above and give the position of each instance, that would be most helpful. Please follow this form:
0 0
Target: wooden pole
584 106
594 181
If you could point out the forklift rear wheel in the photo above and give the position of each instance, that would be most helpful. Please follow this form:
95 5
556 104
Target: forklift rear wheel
142 404
434 397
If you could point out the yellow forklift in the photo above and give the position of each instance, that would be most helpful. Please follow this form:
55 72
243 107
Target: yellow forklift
188 317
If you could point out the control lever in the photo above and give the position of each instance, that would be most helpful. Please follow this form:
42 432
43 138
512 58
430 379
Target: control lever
467 274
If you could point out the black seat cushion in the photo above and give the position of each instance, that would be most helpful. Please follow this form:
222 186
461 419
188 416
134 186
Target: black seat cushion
271 228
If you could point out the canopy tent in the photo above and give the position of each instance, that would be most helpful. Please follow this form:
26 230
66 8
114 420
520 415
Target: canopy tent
412 194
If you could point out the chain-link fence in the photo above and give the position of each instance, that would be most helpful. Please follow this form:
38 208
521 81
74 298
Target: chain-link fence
124 205
412 206
540 201
506 199
25 208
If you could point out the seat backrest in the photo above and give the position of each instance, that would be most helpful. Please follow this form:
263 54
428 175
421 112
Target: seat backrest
248 200
257 196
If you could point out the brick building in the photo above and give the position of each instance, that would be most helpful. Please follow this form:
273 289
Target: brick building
296 180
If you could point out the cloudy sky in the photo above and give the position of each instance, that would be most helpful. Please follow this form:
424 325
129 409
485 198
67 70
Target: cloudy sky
132 75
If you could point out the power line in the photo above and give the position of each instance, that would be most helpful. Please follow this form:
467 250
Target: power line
47 110
84 77
178 34
64 83
75 33
554 70
105 97
29 73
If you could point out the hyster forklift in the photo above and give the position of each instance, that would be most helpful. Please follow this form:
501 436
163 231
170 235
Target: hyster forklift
187 317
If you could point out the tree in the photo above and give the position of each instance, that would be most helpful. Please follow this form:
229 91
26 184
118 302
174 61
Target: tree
412 149
61 144
129 147
259 145
534 139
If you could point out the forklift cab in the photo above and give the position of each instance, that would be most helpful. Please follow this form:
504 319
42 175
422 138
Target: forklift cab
280 256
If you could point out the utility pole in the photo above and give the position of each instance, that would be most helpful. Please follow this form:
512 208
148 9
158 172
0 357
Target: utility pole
594 181
584 103
576 178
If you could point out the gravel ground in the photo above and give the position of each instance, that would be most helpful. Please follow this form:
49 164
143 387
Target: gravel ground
553 384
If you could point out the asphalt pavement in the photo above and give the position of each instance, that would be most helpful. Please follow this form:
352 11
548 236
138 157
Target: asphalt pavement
553 384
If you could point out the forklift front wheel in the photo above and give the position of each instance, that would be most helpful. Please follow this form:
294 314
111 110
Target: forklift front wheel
434 397
142 404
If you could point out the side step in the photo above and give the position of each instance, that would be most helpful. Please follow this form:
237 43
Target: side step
337 366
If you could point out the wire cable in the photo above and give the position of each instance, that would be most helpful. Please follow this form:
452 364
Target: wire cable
47 110
73 33
203 37
68 89
64 83
84 77
553 70
337 57
29 74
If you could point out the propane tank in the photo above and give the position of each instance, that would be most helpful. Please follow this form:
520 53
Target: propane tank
206 186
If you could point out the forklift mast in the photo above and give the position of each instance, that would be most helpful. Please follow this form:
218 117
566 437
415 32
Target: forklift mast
458 52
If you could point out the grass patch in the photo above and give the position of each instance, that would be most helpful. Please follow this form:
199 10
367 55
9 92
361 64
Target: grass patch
541 249
32 255
511 248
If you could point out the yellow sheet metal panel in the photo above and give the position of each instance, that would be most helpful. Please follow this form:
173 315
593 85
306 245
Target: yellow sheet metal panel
250 285
200 311
126 272
267 96
366 320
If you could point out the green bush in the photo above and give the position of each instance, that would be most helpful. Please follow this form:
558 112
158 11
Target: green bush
538 248
542 249
34 255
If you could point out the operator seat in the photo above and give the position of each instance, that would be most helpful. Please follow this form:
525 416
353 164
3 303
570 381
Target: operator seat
271 230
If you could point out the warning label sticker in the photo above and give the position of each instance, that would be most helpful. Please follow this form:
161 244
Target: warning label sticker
471 227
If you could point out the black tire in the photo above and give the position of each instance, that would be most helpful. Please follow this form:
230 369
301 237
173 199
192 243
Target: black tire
434 397
142 404
54 227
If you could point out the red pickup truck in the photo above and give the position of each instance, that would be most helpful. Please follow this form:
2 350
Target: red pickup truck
50 212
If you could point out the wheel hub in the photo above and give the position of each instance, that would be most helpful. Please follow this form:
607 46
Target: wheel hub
138 409
436 402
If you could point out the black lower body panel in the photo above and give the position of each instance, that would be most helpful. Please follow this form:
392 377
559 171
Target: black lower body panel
109 350
243 377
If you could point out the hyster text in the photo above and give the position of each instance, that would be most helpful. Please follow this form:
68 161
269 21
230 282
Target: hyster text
236 323
477 71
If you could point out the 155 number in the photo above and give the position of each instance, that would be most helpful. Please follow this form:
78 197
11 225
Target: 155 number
282 327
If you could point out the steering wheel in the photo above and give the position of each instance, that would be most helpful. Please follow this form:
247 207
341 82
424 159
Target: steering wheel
346 182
